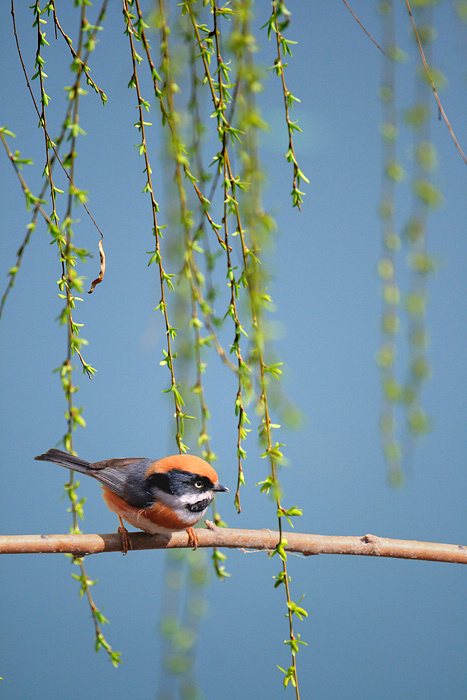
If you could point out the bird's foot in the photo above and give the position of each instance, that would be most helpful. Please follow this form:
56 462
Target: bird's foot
192 538
125 535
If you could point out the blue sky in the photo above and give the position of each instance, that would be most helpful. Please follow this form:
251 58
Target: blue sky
376 628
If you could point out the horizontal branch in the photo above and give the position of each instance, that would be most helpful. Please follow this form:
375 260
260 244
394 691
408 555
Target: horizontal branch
267 540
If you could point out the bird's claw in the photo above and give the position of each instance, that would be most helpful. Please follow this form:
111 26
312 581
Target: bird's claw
192 538
125 535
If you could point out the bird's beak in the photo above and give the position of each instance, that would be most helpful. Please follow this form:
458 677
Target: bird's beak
219 487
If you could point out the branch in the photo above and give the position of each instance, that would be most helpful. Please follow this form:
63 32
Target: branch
267 540
362 26
435 92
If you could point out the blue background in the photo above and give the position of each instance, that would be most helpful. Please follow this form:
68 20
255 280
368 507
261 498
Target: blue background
376 628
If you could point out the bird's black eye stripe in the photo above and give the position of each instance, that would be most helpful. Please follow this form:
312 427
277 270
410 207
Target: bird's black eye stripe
176 482
160 481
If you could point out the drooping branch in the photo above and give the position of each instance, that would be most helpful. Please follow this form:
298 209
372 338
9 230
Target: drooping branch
433 86
262 540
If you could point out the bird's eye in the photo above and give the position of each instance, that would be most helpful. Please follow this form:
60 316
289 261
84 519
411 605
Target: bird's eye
198 484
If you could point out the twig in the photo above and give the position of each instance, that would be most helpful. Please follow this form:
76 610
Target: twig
282 49
435 92
362 26
24 186
52 145
266 540
78 60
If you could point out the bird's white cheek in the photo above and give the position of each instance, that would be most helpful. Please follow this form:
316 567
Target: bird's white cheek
192 498
180 508
179 503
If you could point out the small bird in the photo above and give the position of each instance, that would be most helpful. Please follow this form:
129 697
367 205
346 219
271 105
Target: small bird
158 496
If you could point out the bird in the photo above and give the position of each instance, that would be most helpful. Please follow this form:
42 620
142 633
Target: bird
158 496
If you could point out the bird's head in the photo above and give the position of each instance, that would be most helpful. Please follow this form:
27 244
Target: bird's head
188 479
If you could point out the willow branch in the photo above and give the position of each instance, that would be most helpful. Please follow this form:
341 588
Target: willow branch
46 134
363 27
261 540
433 87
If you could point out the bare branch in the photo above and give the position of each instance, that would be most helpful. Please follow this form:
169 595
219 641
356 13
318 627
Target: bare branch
266 540
363 27
435 92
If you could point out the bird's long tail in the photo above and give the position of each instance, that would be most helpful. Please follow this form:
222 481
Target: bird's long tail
64 459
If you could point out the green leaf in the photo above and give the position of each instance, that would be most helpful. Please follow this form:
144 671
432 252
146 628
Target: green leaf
280 550
428 193
289 676
295 609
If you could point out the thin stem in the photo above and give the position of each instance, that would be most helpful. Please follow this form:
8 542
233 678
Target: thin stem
51 145
433 87
283 46
164 278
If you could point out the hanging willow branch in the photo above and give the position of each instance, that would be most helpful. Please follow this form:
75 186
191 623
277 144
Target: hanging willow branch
433 87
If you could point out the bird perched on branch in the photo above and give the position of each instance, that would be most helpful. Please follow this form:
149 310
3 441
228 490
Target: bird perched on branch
158 496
